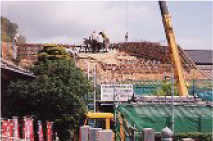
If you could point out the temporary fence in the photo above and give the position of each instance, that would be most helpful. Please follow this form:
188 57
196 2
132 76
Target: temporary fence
11 130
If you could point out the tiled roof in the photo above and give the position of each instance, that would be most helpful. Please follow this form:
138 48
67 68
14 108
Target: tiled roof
16 69
200 56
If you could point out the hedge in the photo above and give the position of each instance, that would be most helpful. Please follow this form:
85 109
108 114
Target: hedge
198 136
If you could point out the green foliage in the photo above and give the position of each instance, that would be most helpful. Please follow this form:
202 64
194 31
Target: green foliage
56 94
165 89
195 135
52 52
8 29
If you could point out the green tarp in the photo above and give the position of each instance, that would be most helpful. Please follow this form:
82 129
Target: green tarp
187 118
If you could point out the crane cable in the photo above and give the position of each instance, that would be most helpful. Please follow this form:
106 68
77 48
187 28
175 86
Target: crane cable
126 34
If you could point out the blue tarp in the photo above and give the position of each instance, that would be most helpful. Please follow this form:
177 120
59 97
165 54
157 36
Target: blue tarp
206 95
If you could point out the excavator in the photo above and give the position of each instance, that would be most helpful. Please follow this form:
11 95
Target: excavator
176 63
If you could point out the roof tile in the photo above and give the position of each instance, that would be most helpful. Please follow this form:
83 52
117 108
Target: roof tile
200 56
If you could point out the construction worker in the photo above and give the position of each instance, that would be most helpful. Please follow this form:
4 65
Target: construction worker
106 41
94 38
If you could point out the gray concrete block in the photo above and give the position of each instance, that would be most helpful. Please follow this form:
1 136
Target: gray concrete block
84 133
148 134
93 133
105 135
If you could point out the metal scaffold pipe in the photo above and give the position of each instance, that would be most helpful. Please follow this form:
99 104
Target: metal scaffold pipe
95 86
172 96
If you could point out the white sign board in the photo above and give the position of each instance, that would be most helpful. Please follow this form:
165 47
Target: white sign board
119 92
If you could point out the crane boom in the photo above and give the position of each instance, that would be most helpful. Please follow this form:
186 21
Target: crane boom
176 63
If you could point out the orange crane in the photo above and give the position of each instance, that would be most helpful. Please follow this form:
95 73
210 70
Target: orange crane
175 57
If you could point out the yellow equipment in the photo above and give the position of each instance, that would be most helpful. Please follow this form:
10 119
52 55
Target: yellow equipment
106 116
178 70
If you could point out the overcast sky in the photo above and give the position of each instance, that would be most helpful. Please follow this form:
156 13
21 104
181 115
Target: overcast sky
69 22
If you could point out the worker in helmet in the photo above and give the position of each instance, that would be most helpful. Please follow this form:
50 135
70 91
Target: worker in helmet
106 41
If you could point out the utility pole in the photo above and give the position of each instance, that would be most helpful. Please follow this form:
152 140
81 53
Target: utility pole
88 75
88 69
95 86
172 96
114 100
114 107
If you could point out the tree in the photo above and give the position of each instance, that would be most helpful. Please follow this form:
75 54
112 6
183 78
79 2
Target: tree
166 88
7 29
53 52
56 94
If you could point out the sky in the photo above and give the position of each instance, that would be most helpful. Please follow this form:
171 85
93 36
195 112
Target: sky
69 21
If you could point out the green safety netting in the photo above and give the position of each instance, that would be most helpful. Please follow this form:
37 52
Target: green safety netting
187 118
201 88
145 89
